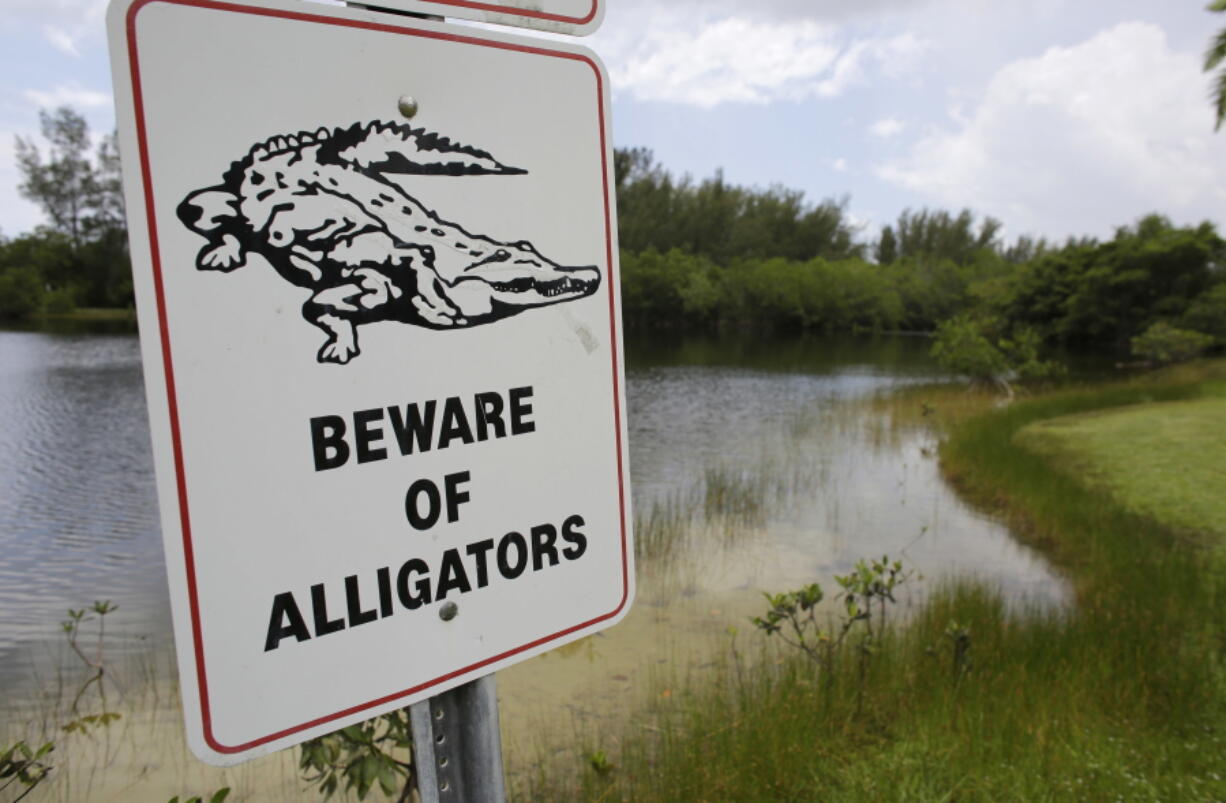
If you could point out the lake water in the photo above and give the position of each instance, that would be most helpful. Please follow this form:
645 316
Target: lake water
78 513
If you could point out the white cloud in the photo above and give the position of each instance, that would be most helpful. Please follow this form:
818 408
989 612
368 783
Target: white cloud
732 60
829 10
839 165
65 24
63 12
738 60
61 40
892 57
887 127
67 95
1080 139
859 221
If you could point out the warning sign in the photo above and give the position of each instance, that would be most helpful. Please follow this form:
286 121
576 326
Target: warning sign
382 354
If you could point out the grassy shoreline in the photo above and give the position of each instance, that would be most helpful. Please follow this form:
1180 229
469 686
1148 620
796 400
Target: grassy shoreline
88 314
1121 697
1162 459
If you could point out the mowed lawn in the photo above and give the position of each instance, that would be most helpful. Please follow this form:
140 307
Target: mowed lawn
1164 460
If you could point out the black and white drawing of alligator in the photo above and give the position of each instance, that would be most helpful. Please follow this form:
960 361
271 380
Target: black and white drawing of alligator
321 209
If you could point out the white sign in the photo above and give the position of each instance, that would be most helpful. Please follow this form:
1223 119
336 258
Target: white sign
382 356
580 17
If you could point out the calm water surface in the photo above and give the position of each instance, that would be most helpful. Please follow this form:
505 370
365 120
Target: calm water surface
785 410
78 513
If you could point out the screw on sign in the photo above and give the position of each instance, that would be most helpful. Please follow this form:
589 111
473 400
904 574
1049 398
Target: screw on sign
381 339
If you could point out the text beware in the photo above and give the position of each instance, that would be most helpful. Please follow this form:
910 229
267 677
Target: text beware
420 426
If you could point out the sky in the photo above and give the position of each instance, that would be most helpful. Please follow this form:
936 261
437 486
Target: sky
1058 117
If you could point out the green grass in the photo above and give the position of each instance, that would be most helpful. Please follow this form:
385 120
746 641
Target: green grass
1121 697
1165 460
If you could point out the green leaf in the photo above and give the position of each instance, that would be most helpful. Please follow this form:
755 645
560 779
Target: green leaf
388 779
220 795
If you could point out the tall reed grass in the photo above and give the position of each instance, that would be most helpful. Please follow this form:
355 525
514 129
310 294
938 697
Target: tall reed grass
725 507
1120 697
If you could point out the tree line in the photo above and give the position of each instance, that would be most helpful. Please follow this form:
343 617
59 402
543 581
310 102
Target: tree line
80 257
709 255
705 254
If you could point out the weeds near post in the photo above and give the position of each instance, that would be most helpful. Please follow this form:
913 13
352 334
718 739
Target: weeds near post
362 755
72 630
599 761
871 586
866 593
217 797
960 637
20 764
797 610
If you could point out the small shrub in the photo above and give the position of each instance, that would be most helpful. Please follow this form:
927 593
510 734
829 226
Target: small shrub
20 764
866 593
600 763
974 349
60 301
217 797
1207 313
1163 344
21 292
361 755
1022 351
962 348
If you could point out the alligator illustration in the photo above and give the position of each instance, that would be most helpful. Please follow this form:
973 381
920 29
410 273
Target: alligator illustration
321 209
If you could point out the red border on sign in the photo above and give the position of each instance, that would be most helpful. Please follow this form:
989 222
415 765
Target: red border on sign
168 362
519 12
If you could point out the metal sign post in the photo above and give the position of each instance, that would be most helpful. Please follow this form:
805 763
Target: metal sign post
457 747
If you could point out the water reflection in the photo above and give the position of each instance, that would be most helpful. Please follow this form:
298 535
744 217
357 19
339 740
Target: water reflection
782 413
78 514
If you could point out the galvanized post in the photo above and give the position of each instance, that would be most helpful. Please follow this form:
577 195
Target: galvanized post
457 748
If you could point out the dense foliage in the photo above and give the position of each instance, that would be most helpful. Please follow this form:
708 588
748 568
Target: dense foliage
722 222
1215 59
710 254
80 258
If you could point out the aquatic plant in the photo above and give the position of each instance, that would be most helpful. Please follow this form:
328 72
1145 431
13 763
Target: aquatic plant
866 593
21 764
217 797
